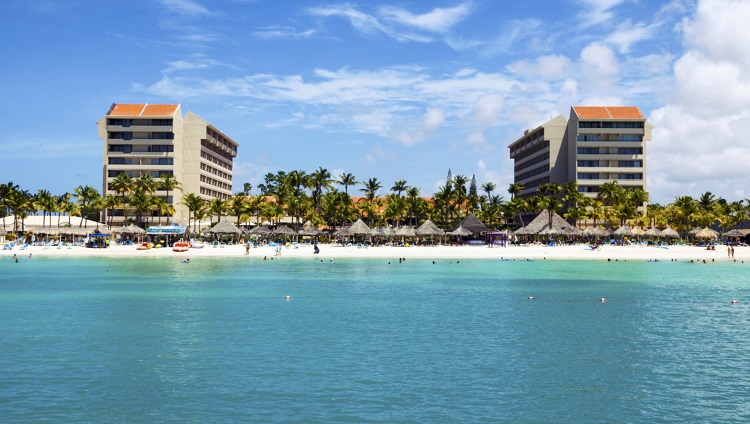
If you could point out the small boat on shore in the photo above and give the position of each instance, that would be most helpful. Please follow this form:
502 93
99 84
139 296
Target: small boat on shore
144 246
196 245
181 246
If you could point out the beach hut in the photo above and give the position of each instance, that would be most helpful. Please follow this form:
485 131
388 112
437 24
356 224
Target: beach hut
734 233
428 228
542 223
474 225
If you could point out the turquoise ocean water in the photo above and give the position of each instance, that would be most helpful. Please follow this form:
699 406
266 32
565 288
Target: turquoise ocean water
154 340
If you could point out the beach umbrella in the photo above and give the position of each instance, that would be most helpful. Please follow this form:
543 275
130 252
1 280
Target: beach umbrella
694 231
224 227
130 229
669 232
638 232
623 232
406 232
572 231
308 229
359 228
389 231
653 232
428 228
460 231
550 231
376 231
260 230
525 231
343 231
734 233
706 234
284 230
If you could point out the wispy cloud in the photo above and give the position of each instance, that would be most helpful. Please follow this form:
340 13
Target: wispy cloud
439 19
595 12
186 7
283 32
366 23
628 34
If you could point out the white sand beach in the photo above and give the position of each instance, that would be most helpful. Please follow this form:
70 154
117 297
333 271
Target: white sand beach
573 252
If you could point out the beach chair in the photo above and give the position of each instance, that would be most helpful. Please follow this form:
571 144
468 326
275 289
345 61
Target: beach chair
25 246
9 246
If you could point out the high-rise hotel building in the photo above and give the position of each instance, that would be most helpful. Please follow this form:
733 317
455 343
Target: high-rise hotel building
155 139
597 145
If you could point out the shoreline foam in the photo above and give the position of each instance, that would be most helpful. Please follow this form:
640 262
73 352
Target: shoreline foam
572 252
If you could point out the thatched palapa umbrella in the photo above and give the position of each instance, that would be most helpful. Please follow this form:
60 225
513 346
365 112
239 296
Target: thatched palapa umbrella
623 232
225 228
653 232
638 232
474 225
308 229
669 232
359 228
706 234
428 228
734 233
460 231
260 230
406 232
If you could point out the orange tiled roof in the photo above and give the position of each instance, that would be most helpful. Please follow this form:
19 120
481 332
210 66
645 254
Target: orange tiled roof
625 112
142 110
608 112
159 110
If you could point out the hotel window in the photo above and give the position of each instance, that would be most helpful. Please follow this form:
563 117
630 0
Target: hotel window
587 176
161 135
630 150
588 163
630 176
588 189
630 164
630 138
162 161
589 137
120 161
124 148
161 148
589 124
159 174
588 150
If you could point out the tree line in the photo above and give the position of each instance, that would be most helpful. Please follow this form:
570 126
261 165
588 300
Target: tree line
326 200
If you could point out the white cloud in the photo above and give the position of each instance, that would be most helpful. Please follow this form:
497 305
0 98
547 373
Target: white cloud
475 138
186 7
628 34
438 20
409 136
282 32
487 109
699 139
595 12
366 23
599 66
545 67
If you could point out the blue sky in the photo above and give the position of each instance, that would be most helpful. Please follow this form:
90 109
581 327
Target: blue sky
392 90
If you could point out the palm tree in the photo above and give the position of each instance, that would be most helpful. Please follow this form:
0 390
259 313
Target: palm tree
488 188
87 197
195 204
169 183
110 203
217 207
514 189
460 193
320 180
371 188
46 203
122 184
347 180
706 201
399 187
239 205
19 202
